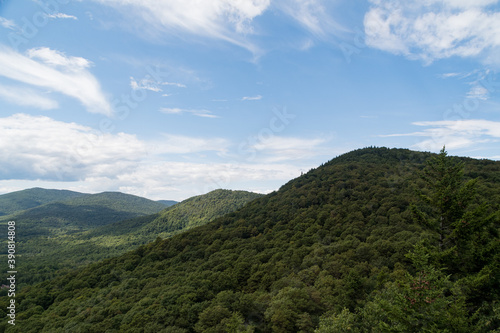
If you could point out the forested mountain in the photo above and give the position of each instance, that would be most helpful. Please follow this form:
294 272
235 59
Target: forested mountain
44 257
13 202
79 213
376 240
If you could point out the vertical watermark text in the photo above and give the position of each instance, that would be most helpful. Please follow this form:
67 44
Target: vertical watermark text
11 271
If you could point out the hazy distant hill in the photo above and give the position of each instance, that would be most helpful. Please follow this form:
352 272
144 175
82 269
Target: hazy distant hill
80 213
71 249
21 200
330 244
168 203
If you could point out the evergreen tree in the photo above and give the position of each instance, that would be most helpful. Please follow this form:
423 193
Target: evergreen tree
468 246
426 301
465 230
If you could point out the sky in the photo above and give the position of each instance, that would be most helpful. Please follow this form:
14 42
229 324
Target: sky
171 99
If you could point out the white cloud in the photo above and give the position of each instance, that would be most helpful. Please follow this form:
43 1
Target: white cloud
179 85
40 147
40 151
433 29
59 60
469 3
180 144
447 75
152 85
454 134
196 112
62 16
252 98
228 20
144 84
7 24
478 92
279 148
47 68
185 179
27 97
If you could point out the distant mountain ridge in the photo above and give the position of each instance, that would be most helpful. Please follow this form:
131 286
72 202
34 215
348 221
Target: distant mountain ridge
168 203
81 212
25 199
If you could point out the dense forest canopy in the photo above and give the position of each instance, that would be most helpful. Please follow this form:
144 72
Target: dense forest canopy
382 240
46 254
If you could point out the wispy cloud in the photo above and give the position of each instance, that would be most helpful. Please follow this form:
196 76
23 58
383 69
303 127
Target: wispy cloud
313 15
463 75
8 24
228 20
195 112
62 16
50 69
478 80
252 98
433 29
478 92
27 97
144 84
220 19
179 85
447 75
152 85
454 134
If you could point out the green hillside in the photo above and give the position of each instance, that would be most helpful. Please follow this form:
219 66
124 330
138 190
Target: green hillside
42 257
13 202
80 213
376 240
192 212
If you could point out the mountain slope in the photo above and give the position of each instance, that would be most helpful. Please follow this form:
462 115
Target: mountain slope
189 213
80 213
21 200
77 248
323 242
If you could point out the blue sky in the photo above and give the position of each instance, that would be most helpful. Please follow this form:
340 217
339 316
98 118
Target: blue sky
170 99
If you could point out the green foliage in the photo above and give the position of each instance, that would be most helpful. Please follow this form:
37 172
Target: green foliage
426 301
44 257
468 245
197 211
331 244
13 202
